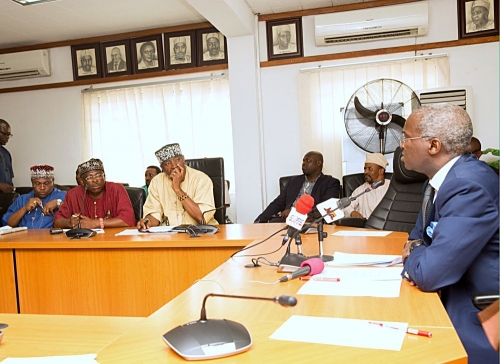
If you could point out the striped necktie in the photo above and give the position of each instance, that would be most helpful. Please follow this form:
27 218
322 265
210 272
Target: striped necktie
427 203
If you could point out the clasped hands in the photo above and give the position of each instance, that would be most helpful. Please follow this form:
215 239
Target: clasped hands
85 222
34 202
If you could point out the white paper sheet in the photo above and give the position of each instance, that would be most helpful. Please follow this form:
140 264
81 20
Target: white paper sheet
342 259
152 230
361 233
73 359
343 332
359 282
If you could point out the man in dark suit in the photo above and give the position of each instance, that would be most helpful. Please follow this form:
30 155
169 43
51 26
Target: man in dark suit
455 249
313 182
117 64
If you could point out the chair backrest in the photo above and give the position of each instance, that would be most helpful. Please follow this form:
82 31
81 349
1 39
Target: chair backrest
6 199
283 181
398 210
352 181
24 190
213 168
137 197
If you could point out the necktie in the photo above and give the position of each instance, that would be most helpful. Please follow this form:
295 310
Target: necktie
427 203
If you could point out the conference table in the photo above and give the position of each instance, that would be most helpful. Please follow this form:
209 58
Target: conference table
139 340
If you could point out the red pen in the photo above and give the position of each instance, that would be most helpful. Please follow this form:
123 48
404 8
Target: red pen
322 279
408 330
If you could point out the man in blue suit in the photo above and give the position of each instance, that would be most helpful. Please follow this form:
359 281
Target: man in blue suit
455 250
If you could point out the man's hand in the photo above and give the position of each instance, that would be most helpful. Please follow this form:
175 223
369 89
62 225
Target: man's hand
177 176
356 214
88 223
284 214
143 224
49 207
406 249
6 188
33 203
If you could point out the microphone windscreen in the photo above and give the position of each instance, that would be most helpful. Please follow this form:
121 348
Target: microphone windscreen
376 184
304 204
316 264
287 301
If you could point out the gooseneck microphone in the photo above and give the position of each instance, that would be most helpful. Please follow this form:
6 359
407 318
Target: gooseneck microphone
310 267
203 222
212 338
79 232
346 201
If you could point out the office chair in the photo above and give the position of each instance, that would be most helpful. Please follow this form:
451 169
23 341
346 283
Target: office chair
137 197
213 168
24 190
352 181
6 199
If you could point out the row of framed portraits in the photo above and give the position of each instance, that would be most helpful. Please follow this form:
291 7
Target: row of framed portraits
152 53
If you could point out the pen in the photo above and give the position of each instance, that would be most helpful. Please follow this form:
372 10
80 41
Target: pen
408 330
322 279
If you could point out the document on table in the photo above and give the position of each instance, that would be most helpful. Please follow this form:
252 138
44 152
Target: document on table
360 282
343 332
73 359
342 259
153 230
361 233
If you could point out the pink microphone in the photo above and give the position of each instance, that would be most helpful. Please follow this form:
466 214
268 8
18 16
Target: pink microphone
310 267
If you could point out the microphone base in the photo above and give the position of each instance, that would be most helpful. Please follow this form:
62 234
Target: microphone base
324 258
290 262
79 233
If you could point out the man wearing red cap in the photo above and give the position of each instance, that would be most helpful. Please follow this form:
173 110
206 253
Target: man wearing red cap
35 210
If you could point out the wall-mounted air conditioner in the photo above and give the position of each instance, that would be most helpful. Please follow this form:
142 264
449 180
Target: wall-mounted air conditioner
457 95
386 22
14 66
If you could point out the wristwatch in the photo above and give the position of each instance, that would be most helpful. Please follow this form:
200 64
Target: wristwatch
59 202
415 243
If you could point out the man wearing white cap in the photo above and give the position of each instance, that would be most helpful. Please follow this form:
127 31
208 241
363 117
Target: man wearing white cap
179 195
180 50
479 12
35 210
86 61
213 47
283 38
374 171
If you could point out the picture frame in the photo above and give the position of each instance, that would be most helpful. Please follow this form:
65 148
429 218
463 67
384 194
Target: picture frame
483 23
86 60
116 58
284 38
147 54
180 49
210 48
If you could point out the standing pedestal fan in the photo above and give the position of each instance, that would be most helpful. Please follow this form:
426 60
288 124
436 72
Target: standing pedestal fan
376 113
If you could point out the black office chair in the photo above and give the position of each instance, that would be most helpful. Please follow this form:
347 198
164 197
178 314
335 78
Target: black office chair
137 197
24 190
6 199
213 168
399 208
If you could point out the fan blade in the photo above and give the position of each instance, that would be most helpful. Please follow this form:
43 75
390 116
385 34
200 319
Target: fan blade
363 110
398 120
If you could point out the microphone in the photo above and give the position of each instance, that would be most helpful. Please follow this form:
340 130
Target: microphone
203 222
329 206
310 266
298 215
79 232
212 338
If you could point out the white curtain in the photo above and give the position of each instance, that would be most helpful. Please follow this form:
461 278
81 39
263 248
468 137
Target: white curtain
323 93
124 127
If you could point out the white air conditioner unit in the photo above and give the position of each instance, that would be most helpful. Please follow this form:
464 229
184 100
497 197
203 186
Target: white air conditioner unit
459 95
386 22
14 66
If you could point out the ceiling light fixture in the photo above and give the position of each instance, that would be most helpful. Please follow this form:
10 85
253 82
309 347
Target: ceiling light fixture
32 2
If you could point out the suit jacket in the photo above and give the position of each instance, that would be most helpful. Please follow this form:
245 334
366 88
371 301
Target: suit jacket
122 66
461 257
326 187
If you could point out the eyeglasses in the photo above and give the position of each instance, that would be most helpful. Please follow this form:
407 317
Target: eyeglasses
8 135
44 184
403 139
98 177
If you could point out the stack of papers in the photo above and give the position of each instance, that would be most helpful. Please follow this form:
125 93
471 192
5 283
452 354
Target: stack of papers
73 359
343 259
8 230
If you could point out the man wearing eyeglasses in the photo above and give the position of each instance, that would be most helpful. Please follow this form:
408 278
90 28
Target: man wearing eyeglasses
35 210
454 247
106 204
6 171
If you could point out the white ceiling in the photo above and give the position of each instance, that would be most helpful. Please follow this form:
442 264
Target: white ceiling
74 19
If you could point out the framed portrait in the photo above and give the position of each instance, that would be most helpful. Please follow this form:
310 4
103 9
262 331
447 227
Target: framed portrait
211 47
147 54
284 38
180 50
86 59
116 59
478 18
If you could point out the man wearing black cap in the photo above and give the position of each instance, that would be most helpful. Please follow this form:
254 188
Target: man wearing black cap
179 195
